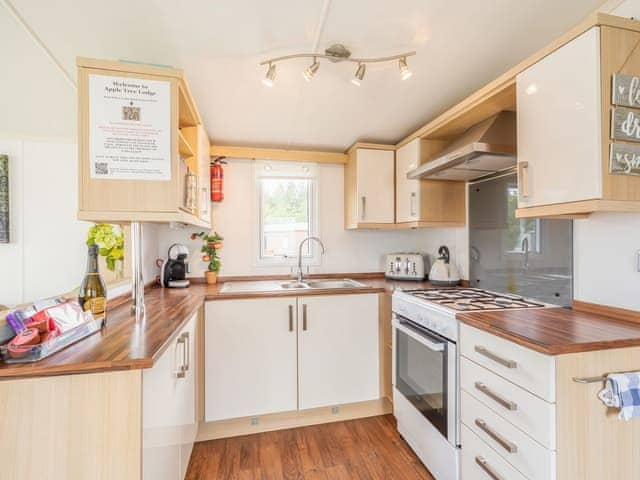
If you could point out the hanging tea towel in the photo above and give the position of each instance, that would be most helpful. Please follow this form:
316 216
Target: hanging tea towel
622 390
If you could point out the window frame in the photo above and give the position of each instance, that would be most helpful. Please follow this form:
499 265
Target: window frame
267 169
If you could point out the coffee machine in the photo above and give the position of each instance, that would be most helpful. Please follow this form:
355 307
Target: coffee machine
173 271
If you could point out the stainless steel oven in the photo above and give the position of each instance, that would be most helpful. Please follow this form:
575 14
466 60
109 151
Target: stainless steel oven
426 375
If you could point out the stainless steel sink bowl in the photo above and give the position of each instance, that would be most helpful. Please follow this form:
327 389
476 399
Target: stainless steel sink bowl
331 284
294 285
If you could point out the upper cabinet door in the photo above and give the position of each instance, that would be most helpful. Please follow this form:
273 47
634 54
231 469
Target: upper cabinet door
559 125
338 349
407 191
250 357
375 186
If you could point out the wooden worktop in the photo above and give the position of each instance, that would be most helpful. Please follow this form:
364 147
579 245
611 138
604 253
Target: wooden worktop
555 331
124 344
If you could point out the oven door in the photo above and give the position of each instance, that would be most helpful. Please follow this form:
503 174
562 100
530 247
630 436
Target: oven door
426 374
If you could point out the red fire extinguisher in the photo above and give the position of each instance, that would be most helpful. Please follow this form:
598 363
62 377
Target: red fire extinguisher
217 180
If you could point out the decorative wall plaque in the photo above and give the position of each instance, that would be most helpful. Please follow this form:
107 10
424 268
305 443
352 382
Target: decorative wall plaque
624 159
626 90
625 124
4 199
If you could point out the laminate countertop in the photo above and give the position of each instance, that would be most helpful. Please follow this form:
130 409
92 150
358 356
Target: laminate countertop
125 344
556 331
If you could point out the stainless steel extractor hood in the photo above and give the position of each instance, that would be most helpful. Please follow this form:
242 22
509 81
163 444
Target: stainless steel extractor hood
485 148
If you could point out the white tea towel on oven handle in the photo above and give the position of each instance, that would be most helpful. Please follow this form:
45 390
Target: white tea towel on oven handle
622 390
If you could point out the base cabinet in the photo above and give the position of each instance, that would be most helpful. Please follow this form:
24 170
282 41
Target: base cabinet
169 424
273 355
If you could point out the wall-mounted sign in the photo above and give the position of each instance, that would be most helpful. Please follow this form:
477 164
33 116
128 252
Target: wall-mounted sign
625 90
625 124
129 128
4 199
624 159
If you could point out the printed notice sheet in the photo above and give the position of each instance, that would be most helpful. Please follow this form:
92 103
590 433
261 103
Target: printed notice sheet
129 128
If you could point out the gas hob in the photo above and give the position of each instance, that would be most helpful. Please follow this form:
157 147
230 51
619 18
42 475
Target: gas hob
471 299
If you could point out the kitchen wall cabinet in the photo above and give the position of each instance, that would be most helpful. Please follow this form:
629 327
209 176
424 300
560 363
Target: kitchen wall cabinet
426 203
168 412
271 355
149 200
198 137
338 348
369 187
250 357
564 110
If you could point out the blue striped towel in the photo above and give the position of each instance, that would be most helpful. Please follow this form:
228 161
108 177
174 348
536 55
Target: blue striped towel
622 390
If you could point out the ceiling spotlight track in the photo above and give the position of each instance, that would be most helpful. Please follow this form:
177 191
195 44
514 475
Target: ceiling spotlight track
337 53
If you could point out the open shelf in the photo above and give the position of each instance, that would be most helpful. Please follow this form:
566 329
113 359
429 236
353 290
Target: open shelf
187 115
183 146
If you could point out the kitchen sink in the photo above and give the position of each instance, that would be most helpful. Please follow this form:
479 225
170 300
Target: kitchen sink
274 286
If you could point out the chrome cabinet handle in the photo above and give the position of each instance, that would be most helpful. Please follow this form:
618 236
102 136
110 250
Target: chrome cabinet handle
180 373
364 206
412 208
291 318
187 352
496 358
503 442
304 316
523 179
482 462
508 404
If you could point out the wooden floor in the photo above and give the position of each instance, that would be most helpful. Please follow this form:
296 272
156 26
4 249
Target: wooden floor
368 448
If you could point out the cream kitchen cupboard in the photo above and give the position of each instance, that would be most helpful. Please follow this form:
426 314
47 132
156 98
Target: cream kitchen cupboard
564 110
425 203
168 409
273 355
250 357
369 187
337 349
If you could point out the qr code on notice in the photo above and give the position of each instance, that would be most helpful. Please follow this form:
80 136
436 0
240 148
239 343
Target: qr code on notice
102 168
131 113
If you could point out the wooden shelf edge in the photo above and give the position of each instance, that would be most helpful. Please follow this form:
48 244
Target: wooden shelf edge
149 217
278 154
370 226
183 146
577 210
422 224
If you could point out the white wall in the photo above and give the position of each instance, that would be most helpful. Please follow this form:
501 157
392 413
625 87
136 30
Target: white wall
347 251
605 261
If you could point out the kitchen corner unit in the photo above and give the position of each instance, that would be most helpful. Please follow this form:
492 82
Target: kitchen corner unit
140 152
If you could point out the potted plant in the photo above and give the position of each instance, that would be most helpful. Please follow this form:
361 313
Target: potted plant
110 241
210 246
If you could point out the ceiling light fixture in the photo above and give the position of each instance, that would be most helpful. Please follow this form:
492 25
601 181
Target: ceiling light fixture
267 81
335 54
357 78
311 70
404 69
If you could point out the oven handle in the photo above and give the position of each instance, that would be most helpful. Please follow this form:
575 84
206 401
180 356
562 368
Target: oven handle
418 336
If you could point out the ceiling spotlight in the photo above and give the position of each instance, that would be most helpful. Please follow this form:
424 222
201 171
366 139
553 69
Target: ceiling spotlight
404 69
311 70
357 78
267 81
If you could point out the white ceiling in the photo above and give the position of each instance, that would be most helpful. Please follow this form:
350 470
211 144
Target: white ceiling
461 45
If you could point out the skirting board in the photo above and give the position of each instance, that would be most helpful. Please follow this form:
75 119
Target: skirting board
298 418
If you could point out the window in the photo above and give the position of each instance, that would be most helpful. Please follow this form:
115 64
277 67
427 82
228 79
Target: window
520 232
286 197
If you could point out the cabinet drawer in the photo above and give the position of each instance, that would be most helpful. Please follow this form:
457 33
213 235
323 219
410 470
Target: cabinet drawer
481 462
531 370
515 446
524 410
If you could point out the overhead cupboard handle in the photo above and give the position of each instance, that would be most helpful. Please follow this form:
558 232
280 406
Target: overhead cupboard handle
482 462
412 206
523 179
495 357
499 399
503 442
364 207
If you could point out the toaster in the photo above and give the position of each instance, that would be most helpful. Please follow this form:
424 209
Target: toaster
406 266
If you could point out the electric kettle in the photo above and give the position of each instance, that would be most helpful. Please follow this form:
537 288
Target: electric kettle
443 273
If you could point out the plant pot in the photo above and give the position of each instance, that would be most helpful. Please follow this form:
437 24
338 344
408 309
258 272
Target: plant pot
211 277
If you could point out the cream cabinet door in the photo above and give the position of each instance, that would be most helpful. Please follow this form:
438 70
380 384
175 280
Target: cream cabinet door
168 409
337 349
559 125
250 357
407 191
375 186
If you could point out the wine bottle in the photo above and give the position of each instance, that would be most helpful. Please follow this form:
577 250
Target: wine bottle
93 294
